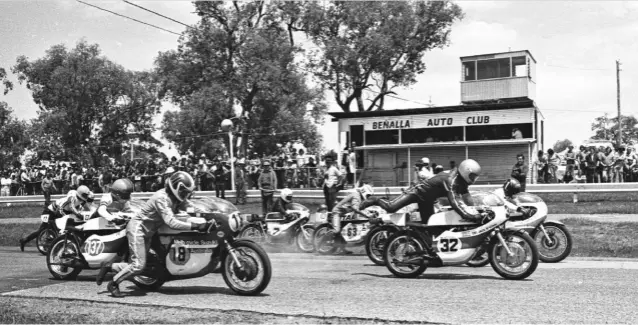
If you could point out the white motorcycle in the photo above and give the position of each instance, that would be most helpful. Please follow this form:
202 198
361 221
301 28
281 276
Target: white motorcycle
455 241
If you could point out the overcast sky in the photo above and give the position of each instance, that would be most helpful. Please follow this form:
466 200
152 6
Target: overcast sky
575 44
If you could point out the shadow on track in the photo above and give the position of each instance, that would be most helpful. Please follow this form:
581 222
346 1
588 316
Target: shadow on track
440 276
194 290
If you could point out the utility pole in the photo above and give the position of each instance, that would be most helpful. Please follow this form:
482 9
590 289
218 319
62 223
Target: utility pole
618 102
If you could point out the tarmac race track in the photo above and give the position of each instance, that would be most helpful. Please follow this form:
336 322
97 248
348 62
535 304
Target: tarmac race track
574 291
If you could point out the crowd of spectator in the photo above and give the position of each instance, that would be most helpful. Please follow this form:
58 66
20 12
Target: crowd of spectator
590 164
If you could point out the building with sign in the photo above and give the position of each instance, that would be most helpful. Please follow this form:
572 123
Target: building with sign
497 120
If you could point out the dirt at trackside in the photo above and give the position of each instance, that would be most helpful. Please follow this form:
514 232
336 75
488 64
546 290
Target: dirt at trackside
41 311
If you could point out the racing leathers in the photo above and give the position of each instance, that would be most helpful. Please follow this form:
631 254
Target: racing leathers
160 209
280 206
450 185
350 203
108 206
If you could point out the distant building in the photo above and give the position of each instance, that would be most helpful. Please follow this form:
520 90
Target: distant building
497 95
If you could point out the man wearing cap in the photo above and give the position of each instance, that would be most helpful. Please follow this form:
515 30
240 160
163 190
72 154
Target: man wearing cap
267 183
240 182
425 171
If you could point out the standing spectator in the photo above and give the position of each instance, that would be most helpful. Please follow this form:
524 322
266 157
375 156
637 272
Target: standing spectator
630 162
590 164
221 175
600 164
240 182
540 165
352 166
519 171
5 182
608 162
331 181
267 183
254 174
619 165
74 180
553 161
280 172
291 174
311 169
47 185
570 157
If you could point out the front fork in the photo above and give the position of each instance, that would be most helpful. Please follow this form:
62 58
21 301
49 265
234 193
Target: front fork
549 239
233 254
502 240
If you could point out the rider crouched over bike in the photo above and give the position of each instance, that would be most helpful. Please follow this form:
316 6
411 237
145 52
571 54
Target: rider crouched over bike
510 188
350 203
160 209
453 185
72 203
282 203
117 200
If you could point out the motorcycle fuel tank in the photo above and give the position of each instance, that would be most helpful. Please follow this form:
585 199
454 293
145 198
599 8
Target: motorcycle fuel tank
189 256
447 218
98 250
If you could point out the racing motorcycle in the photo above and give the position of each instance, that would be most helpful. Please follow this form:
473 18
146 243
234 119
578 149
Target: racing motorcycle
47 235
383 227
174 254
553 239
354 230
275 229
455 241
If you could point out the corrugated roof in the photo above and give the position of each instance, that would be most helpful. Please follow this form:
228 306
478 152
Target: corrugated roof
471 56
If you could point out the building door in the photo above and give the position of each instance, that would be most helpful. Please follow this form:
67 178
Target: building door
381 168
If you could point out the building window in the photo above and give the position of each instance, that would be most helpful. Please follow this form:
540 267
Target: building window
499 132
432 135
519 67
469 71
382 137
490 69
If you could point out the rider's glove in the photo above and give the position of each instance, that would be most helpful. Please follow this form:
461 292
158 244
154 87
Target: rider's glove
486 217
201 227
118 221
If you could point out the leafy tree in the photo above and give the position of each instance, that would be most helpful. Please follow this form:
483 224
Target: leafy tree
607 128
87 101
239 56
8 85
372 45
561 145
13 136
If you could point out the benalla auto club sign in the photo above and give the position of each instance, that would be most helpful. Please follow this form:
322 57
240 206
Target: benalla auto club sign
391 124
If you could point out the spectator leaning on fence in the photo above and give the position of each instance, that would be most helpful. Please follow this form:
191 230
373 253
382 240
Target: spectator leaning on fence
47 185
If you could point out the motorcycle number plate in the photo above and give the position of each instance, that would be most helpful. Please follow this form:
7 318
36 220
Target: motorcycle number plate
353 232
45 218
449 245
180 254
86 216
94 247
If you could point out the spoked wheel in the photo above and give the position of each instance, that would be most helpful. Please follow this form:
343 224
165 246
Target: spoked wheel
304 239
481 259
375 243
320 231
63 250
150 282
394 254
45 239
555 248
523 261
328 243
254 233
251 273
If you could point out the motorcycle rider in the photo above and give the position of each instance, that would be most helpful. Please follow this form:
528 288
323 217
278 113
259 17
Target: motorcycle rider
454 185
282 202
117 200
510 188
72 203
425 171
350 203
160 209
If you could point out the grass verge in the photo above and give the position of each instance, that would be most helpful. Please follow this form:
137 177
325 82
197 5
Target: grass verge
38 311
603 239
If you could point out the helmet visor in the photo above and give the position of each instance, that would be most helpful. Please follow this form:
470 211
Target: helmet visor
124 196
183 192
473 177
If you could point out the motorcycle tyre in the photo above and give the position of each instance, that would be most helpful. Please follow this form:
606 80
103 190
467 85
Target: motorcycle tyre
527 238
391 230
267 268
71 276
568 248
325 238
300 237
482 263
318 229
159 280
255 228
416 236
40 247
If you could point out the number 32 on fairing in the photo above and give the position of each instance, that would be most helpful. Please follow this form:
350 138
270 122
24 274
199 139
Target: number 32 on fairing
449 245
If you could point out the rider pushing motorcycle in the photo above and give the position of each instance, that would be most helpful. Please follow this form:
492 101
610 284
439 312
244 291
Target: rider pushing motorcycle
116 201
350 203
72 203
160 209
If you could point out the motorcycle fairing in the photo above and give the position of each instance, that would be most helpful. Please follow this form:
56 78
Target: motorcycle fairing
354 232
100 250
188 255
99 223
276 228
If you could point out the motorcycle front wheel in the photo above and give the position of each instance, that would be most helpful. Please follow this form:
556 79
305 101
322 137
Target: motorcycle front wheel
304 239
44 240
394 254
523 261
329 243
376 241
254 233
252 275
63 249
558 248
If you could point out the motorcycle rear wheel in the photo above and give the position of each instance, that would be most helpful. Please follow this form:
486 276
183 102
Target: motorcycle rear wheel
397 246
58 248
254 233
45 239
507 266
304 244
329 243
320 231
146 282
376 241
256 268
561 238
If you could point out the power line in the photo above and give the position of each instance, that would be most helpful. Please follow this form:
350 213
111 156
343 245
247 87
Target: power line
151 11
572 68
127 17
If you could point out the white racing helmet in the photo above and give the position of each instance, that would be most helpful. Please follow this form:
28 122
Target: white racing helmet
470 170
286 194
366 191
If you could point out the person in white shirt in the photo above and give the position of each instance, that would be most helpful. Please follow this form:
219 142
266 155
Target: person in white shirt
352 166
331 176
5 182
517 134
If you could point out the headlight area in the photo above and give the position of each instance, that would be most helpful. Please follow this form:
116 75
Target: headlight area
234 222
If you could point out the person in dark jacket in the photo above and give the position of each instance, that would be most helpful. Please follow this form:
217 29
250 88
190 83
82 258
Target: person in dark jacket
519 171
267 183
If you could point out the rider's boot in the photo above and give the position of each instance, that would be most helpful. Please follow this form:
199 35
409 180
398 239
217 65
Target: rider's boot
114 289
103 271
22 243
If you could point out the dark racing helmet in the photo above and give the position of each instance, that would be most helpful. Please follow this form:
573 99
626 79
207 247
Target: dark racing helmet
180 185
122 189
470 170
511 187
